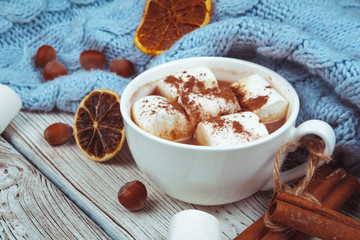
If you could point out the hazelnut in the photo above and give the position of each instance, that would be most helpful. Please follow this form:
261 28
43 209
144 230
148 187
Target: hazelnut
54 69
122 67
58 133
45 54
92 59
133 195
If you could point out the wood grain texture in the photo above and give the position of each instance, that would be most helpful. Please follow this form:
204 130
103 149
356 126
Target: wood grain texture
94 186
33 208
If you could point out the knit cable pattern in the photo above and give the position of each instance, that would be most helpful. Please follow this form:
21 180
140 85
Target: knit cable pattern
315 45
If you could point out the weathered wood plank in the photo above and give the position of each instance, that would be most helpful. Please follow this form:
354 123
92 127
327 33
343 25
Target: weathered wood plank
94 186
33 208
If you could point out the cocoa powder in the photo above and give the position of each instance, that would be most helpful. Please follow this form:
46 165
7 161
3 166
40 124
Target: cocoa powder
212 93
250 104
189 85
176 82
238 128
193 84
253 104
168 106
219 123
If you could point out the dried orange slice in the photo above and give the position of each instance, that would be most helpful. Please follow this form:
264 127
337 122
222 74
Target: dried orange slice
166 21
98 125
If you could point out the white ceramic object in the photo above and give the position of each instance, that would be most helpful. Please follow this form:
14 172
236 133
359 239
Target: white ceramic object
10 105
194 225
211 175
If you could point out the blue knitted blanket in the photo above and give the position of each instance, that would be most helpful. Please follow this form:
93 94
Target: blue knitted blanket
314 44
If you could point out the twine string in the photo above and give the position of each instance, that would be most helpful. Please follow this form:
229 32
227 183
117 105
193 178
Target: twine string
316 154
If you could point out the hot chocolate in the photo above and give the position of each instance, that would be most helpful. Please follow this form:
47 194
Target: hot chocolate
193 107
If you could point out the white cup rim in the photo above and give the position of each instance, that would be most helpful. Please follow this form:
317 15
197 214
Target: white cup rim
132 87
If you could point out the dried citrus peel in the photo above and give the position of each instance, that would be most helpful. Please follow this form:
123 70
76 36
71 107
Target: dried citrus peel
165 21
98 125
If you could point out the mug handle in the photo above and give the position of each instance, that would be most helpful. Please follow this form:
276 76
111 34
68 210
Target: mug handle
314 127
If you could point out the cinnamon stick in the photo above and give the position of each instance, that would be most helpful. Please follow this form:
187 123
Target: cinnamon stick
279 236
320 174
336 198
257 230
312 218
319 191
343 191
322 190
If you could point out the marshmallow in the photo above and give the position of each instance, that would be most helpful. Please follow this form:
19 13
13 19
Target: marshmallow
209 103
161 117
194 225
10 105
193 79
233 129
256 95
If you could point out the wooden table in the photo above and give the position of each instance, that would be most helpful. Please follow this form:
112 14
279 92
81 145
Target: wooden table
57 193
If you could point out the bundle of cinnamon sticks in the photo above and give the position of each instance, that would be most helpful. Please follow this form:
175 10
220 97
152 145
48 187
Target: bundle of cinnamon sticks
331 188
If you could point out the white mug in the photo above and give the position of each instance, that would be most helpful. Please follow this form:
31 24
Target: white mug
10 105
211 175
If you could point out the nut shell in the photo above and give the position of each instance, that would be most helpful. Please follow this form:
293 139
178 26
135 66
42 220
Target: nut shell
45 54
58 133
133 195
92 60
54 69
122 67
